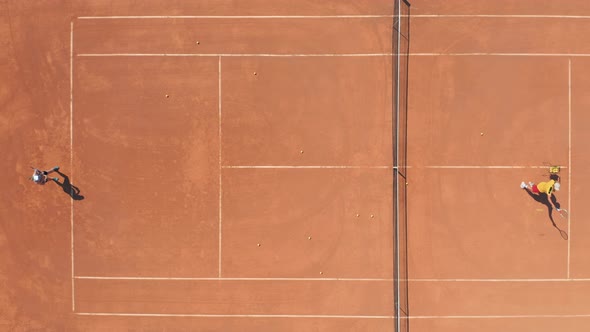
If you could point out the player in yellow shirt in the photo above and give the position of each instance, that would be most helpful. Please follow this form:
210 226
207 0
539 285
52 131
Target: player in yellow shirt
544 188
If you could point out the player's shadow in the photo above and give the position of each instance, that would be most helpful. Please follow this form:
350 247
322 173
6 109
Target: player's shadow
69 188
544 199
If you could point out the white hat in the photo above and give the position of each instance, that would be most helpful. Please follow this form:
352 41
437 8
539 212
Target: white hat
556 186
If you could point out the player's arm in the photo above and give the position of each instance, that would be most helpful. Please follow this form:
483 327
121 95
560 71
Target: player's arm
550 200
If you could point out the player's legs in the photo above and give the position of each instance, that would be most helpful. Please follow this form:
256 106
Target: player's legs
530 185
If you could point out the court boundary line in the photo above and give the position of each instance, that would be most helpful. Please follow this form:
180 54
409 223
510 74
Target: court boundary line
230 315
395 184
485 167
72 158
233 54
226 279
500 54
569 162
286 55
306 167
381 167
147 278
127 17
343 16
326 316
500 16
220 168
388 167
498 316
500 280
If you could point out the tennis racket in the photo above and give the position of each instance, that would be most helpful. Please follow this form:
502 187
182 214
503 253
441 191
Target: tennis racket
561 232
563 213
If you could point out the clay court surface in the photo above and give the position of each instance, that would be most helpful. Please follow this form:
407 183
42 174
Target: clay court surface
237 165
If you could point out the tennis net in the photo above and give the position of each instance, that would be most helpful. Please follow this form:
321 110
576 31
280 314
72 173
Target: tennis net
400 62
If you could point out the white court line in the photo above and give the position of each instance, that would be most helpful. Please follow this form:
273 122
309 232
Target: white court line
329 279
497 16
220 169
496 316
380 167
325 54
502 54
569 162
72 156
230 279
307 167
231 17
486 167
327 16
499 280
232 55
227 316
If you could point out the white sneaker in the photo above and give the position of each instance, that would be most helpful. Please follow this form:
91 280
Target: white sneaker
531 184
522 185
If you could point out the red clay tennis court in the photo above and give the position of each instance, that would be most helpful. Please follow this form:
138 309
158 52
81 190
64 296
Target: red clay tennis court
294 166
